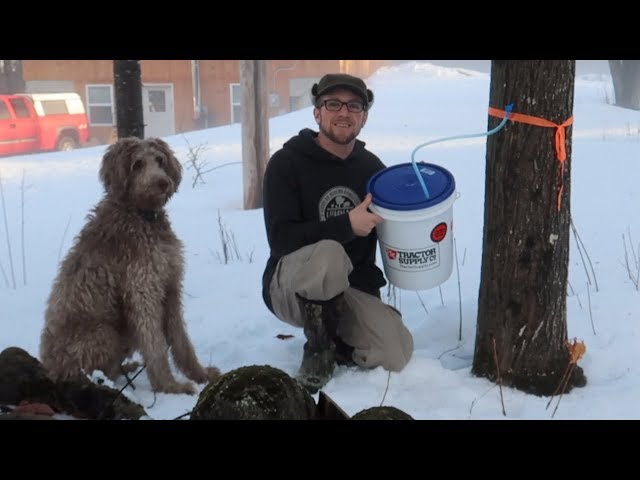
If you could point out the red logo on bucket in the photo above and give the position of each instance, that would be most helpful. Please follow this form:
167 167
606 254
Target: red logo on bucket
439 232
392 254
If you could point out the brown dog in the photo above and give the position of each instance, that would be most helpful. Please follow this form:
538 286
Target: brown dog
119 289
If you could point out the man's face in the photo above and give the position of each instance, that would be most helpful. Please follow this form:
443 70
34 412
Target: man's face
343 125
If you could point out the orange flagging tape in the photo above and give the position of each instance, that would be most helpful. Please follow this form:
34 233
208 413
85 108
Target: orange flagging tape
560 138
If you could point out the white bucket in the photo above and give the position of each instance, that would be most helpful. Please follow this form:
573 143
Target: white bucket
416 237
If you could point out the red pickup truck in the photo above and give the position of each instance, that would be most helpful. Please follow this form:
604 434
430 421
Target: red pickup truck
40 122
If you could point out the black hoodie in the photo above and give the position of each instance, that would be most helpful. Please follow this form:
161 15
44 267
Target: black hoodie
308 193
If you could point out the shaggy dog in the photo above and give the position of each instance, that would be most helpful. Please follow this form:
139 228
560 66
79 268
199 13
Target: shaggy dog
119 288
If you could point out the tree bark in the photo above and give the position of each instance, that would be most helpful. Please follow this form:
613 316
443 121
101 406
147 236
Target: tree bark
254 129
128 96
625 75
522 298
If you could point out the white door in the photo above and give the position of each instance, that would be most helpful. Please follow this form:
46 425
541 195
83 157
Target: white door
159 114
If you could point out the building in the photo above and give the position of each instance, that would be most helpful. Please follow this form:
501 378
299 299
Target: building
183 95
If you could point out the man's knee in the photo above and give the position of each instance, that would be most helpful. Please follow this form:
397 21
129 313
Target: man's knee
398 357
332 251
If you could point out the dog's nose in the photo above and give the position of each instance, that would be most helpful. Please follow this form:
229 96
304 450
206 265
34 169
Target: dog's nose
163 185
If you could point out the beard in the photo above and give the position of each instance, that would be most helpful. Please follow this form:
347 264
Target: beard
339 139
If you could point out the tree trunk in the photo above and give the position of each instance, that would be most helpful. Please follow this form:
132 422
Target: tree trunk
625 75
254 129
128 92
522 299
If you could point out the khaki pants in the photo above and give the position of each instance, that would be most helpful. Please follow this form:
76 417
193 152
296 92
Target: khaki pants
320 272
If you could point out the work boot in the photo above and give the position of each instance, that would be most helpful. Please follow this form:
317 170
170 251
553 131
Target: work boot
319 357
344 353
337 308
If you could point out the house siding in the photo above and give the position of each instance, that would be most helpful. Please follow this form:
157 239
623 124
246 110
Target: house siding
215 77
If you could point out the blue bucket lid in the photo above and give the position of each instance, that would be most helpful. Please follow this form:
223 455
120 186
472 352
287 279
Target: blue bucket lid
398 187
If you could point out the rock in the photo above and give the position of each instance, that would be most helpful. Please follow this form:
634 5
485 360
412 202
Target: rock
84 399
254 393
24 380
22 377
382 413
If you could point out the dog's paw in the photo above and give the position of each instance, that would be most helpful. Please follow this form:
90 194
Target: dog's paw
129 367
178 387
213 373
204 375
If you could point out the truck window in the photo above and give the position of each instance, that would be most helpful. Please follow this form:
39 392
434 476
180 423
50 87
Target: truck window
19 107
4 111
54 107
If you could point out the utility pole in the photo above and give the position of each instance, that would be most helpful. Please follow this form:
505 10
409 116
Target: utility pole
127 79
254 128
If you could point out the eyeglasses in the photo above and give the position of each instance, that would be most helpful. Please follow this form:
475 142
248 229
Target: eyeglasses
336 106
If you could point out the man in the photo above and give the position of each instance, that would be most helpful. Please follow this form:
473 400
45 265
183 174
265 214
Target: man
321 274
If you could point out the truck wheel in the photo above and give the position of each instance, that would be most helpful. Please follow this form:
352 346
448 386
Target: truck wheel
67 143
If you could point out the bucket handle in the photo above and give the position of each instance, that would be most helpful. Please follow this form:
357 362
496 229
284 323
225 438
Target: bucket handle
507 109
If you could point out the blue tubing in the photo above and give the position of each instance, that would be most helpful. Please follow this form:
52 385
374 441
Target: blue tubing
507 109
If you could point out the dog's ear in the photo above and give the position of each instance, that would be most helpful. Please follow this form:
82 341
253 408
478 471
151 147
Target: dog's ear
172 167
115 164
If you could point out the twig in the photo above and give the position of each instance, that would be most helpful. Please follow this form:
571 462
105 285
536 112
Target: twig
561 384
584 264
230 251
575 232
184 415
576 351
6 229
464 255
450 350
593 327
441 299
575 294
4 275
220 166
24 260
562 393
386 389
634 280
495 359
455 249
104 412
422 303
196 161
633 251
475 400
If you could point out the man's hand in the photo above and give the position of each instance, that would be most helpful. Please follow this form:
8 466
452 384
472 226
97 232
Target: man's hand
363 221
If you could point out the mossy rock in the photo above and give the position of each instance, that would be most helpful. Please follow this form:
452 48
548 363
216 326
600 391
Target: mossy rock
382 413
254 393
24 378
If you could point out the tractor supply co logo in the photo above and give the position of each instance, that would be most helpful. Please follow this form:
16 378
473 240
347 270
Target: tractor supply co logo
413 260
337 201
439 232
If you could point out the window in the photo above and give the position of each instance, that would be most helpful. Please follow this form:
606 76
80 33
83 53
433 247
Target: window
4 111
157 101
54 107
235 102
19 107
100 104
